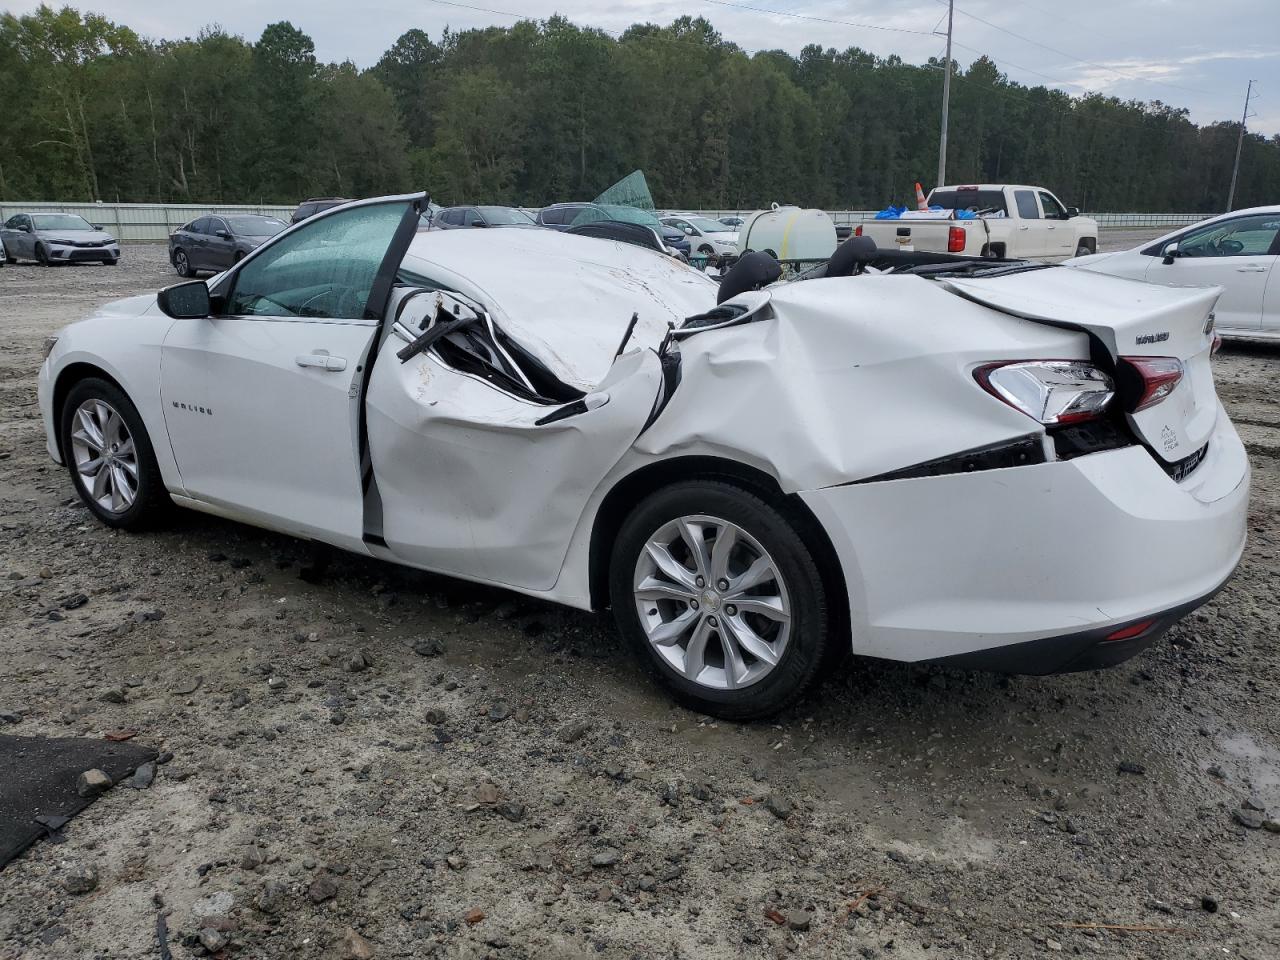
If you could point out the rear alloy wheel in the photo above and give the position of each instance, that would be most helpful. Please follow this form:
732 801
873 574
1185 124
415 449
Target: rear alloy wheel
719 594
109 455
1083 250
182 264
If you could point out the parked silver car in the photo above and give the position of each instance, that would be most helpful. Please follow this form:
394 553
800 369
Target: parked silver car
50 238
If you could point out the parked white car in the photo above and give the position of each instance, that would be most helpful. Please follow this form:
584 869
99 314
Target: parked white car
1011 220
774 482
1237 251
706 236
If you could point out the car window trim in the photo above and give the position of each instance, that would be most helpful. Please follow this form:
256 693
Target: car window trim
222 291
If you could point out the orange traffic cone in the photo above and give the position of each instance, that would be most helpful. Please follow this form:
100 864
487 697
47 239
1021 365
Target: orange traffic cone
920 201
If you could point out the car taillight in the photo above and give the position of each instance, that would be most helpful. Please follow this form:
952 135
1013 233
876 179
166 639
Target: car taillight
955 240
1160 375
1052 392
857 231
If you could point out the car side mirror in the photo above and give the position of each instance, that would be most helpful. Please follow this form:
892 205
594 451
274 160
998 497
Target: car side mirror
224 235
185 301
1170 253
1073 212
97 226
478 223
24 228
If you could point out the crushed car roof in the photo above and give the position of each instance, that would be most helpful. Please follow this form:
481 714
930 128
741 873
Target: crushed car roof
566 299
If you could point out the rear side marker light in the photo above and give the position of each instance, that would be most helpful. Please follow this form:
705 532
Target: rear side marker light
1217 344
857 231
955 240
1129 632
1160 376
1051 392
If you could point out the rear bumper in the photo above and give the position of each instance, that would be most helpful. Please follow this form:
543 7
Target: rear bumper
1073 653
1040 561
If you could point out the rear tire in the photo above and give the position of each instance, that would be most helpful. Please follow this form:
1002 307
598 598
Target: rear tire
1084 248
713 653
109 456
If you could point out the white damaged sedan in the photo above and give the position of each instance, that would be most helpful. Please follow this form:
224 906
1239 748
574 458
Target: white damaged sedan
990 464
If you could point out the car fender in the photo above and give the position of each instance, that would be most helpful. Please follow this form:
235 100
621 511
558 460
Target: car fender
133 362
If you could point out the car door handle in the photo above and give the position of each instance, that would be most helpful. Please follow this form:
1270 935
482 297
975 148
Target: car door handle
1024 227
1251 268
321 360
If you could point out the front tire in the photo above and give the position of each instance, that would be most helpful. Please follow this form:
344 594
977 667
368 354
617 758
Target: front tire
42 256
109 456
182 264
718 593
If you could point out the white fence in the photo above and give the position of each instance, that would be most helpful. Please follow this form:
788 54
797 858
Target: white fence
139 221
155 221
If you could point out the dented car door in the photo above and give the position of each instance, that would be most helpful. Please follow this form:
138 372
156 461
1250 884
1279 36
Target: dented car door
479 473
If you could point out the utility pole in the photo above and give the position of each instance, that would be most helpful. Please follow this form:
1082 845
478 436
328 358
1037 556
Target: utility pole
1235 170
946 98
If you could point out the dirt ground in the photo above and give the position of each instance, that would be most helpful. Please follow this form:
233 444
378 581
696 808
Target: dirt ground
391 764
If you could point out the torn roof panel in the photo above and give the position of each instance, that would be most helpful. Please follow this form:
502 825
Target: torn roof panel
566 299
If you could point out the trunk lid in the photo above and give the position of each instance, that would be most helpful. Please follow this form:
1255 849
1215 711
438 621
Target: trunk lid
1127 318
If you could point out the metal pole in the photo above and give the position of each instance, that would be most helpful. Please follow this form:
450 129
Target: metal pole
946 99
1235 169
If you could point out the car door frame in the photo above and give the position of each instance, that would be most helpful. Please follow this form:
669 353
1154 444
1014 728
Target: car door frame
1156 271
24 241
374 317
1031 234
220 259
1059 242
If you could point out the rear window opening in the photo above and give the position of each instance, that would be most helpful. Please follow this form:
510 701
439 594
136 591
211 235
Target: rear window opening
975 201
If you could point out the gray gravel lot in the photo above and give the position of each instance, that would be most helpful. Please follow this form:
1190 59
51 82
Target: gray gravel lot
392 764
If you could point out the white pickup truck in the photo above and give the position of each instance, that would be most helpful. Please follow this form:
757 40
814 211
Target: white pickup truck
1009 221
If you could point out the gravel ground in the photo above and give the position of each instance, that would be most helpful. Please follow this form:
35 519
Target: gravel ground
391 764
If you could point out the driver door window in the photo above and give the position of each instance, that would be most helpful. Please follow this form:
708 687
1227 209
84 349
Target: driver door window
1053 210
1243 237
323 271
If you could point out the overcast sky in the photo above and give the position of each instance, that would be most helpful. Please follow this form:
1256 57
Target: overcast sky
1194 53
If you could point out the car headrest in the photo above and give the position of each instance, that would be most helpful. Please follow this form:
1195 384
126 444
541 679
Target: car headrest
853 253
751 272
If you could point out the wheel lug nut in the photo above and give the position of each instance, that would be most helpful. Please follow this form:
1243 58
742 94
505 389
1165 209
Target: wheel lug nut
711 621
700 582
730 610
693 604
722 584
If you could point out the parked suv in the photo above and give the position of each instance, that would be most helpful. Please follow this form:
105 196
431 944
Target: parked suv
309 208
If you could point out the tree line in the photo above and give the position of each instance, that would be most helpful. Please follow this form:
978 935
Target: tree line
546 111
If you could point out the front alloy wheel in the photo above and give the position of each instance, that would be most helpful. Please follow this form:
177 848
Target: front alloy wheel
105 456
718 592
182 264
109 455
